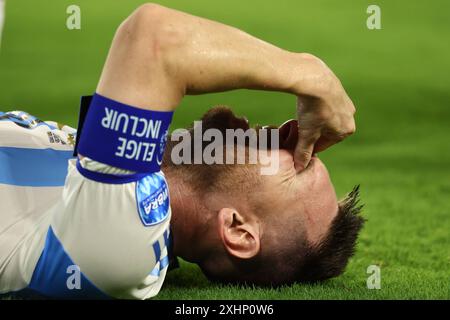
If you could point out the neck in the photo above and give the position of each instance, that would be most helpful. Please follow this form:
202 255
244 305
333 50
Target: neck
188 219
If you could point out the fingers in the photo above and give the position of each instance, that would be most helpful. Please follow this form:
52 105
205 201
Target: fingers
327 140
310 142
322 123
305 148
323 143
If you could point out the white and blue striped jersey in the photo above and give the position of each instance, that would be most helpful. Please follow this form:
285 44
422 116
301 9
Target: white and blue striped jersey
63 235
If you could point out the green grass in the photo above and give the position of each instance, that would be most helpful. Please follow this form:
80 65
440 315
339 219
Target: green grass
398 78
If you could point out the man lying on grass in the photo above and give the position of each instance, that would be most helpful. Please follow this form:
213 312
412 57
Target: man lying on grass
102 226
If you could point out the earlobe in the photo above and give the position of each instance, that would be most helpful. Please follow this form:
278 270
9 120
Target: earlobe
240 236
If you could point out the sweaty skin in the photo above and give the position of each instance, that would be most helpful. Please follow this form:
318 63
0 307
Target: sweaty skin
158 55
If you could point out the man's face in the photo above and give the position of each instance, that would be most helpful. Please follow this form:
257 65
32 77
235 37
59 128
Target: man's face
285 207
307 197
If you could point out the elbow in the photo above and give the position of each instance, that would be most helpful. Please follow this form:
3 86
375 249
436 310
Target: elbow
151 30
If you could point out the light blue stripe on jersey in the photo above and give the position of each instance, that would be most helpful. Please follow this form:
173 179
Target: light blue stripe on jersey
54 271
33 167
164 262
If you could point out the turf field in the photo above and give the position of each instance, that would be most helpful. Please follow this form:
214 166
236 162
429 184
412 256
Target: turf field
398 78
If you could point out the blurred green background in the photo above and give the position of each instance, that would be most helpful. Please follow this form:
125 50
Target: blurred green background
398 78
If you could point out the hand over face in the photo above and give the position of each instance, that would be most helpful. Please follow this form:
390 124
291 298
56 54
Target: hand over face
324 110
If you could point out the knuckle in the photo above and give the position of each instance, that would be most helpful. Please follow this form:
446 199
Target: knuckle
351 128
324 113
352 108
307 138
344 132
303 155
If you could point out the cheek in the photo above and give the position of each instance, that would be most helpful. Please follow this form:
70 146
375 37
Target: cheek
318 217
320 203
323 194
280 162
285 162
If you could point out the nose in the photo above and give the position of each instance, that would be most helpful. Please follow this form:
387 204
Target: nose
288 132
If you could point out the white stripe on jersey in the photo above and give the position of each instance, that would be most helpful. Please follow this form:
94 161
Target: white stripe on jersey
100 229
24 211
24 222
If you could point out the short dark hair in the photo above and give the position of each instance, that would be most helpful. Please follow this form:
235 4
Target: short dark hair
303 262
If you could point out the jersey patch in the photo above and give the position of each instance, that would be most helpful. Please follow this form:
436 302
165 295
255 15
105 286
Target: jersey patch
152 196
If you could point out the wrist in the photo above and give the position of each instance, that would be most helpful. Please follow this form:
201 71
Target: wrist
311 76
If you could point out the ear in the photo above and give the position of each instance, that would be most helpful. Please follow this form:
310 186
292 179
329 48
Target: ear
240 237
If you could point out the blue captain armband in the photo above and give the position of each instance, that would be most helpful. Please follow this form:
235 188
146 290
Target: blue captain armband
124 136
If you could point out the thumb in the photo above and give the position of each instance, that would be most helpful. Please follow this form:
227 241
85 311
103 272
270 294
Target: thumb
304 149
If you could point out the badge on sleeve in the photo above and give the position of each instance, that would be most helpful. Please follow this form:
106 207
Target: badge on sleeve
152 196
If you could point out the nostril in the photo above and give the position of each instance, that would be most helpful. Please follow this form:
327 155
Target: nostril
288 134
293 129
284 133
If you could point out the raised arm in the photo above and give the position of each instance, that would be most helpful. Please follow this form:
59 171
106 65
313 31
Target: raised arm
158 55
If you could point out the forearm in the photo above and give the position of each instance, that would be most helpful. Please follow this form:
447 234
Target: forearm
211 56
159 55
